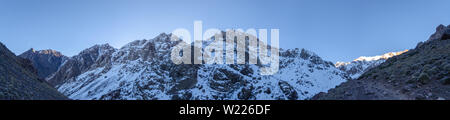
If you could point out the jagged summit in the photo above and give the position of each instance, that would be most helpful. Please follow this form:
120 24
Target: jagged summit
31 50
161 38
442 33
98 48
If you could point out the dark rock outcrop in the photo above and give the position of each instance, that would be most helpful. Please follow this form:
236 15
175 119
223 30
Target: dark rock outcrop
19 79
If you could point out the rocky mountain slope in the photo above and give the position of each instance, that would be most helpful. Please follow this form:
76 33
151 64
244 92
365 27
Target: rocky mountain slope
421 73
96 56
45 61
358 66
19 81
143 70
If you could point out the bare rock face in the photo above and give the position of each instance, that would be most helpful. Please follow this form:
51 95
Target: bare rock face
46 62
421 73
19 80
143 70
91 58
442 33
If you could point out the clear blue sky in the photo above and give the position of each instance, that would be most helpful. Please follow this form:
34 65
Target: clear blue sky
337 30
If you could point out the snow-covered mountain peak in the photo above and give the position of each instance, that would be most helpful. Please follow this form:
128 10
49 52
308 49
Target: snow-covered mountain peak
98 48
358 66
161 38
378 57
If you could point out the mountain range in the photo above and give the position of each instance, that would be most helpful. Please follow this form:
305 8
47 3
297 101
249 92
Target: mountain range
143 70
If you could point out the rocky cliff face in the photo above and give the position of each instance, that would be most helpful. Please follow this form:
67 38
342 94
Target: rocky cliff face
19 80
143 70
421 73
360 65
45 61
88 59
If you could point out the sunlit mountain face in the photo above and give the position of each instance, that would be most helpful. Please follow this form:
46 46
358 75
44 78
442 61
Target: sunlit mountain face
358 66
